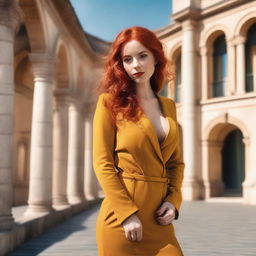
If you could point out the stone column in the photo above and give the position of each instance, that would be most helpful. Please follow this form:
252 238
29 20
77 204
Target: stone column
204 74
240 65
231 65
60 148
9 19
90 181
191 187
40 184
81 135
249 184
211 168
75 195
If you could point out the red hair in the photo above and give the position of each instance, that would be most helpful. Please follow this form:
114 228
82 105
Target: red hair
116 81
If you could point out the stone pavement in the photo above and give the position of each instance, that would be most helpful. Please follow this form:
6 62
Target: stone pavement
203 229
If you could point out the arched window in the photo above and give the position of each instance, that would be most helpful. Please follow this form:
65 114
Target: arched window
219 66
250 58
178 78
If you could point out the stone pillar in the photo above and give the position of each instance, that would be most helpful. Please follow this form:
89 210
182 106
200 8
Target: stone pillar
212 168
9 19
75 195
60 148
231 65
205 168
90 181
204 74
40 184
191 187
81 174
249 184
240 65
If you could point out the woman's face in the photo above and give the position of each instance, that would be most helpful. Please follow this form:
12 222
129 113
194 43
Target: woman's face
138 61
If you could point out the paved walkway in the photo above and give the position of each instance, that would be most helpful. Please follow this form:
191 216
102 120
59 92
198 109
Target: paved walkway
203 229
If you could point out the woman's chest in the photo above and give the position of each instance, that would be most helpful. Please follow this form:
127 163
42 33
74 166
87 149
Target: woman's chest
156 118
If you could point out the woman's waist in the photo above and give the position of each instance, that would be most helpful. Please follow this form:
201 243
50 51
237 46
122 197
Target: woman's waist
140 177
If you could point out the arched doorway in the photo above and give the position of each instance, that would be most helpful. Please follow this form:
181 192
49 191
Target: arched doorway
233 172
224 156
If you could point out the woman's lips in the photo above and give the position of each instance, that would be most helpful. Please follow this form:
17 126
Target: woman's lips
139 74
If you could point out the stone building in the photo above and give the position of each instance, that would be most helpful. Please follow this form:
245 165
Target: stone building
213 44
49 69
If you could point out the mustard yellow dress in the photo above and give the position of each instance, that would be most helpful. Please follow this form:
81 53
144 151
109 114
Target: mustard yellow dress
137 174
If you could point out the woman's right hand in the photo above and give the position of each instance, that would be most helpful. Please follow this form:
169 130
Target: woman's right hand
133 228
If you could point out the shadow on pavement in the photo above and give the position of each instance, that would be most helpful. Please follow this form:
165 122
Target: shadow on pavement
56 234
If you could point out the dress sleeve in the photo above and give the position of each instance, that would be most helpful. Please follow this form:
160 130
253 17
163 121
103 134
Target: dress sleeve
104 133
175 168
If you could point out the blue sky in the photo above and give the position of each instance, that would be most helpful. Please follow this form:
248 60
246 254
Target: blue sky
106 18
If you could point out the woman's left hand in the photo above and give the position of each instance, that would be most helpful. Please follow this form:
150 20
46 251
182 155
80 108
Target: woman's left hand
165 214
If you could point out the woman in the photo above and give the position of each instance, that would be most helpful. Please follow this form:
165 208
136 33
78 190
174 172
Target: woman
136 151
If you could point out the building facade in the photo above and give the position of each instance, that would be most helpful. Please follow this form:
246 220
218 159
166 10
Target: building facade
213 46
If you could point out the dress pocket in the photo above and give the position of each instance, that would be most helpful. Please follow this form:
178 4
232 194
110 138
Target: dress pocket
109 216
129 186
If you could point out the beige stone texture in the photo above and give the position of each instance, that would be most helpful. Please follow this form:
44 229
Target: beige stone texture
74 191
90 179
60 149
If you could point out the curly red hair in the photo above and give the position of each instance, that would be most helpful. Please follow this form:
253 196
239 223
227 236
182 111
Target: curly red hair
116 81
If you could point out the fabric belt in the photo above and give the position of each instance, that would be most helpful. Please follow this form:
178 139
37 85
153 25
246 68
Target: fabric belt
138 177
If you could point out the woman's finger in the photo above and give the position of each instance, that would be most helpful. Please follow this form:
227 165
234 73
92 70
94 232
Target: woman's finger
166 220
166 217
127 235
139 235
133 236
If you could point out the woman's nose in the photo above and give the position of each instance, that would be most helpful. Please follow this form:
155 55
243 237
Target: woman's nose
135 63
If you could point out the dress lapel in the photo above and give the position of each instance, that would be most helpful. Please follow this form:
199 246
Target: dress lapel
151 132
164 149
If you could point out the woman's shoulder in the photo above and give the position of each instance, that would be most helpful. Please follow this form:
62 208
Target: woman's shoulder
167 100
104 97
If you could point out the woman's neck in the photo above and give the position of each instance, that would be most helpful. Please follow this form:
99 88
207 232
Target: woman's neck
144 91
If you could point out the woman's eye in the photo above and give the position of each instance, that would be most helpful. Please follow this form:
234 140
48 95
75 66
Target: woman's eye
126 60
143 56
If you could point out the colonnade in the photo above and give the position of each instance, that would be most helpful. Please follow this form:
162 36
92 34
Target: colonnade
59 147
61 170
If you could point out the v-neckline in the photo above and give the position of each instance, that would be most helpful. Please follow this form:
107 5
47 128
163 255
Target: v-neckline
165 117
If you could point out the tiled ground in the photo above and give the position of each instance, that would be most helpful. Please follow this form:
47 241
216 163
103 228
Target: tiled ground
203 229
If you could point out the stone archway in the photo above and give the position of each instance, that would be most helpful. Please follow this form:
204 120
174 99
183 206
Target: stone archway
220 150
175 84
23 101
29 37
34 25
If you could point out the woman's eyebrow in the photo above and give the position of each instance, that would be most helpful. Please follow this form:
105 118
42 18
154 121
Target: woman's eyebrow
144 51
